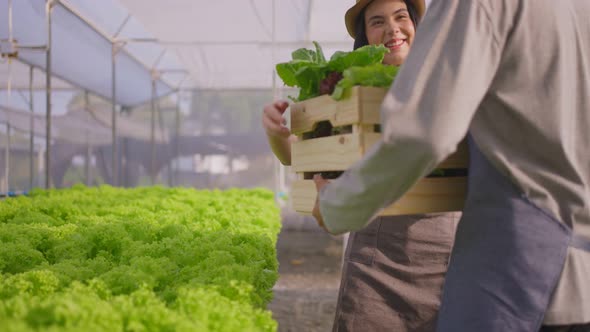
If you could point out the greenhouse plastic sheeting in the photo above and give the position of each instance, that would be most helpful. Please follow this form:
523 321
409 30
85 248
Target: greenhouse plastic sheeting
19 76
126 128
114 19
90 126
229 43
75 127
20 99
80 54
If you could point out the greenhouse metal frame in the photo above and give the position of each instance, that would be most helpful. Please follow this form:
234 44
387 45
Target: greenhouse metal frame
268 32
117 47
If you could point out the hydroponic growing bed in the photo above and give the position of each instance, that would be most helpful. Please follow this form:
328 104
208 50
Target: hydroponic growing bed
144 259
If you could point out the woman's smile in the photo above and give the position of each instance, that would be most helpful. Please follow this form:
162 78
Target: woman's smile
395 44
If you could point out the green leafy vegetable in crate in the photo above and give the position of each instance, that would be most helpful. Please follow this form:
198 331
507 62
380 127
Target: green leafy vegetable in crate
314 75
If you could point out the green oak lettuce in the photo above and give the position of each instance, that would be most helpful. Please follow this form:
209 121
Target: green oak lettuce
142 259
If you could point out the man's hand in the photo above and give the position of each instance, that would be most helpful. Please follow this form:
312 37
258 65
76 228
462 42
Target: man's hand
320 182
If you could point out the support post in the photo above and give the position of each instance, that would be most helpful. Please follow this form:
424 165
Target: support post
152 135
7 148
31 132
114 114
176 142
279 173
122 157
87 156
48 7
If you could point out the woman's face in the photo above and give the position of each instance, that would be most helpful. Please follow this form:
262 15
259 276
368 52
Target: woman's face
388 22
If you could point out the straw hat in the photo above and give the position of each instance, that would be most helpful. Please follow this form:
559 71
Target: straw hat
354 11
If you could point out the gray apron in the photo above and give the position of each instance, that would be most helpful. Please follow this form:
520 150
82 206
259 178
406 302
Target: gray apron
393 273
507 258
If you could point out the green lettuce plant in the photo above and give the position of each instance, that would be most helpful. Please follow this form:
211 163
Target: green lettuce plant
143 259
309 68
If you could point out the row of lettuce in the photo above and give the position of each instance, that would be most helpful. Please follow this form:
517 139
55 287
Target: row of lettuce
144 259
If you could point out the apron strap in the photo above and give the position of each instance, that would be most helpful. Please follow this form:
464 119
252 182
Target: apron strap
580 242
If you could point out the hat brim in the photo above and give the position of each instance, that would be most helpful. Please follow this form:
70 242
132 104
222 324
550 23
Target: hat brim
354 11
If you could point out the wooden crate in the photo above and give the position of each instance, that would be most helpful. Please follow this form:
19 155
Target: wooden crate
360 116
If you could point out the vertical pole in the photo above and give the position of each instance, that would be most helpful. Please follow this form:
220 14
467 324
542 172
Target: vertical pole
40 162
32 132
48 8
114 114
274 93
152 134
153 116
7 170
177 141
8 143
10 40
161 129
122 159
279 169
5 177
123 165
87 155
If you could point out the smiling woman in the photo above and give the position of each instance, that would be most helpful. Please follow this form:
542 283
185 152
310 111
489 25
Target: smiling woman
389 23
394 268
392 23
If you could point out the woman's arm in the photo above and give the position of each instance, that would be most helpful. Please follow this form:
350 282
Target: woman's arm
281 147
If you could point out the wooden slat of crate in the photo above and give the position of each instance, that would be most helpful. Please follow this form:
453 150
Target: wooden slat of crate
331 153
337 153
427 196
362 107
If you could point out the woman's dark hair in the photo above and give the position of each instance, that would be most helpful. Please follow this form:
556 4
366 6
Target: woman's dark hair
360 39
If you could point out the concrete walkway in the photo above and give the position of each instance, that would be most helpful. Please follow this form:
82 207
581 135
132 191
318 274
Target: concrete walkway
309 276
